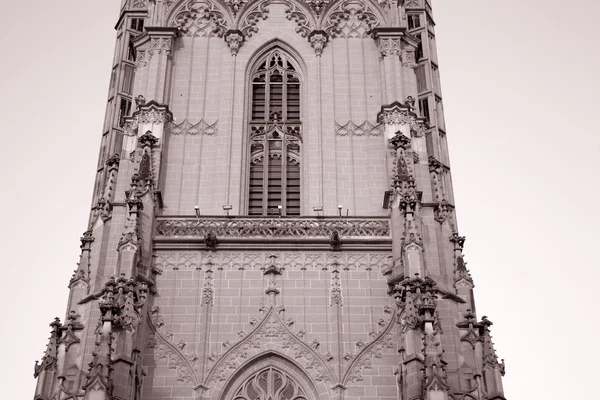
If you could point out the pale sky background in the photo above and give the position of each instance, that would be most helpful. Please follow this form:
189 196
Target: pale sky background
520 81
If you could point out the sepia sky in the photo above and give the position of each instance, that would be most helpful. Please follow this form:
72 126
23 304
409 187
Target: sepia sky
520 81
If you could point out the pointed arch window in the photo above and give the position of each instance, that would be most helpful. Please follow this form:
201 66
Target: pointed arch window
270 384
275 137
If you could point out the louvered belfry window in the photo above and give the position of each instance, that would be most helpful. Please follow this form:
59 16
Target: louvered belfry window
275 137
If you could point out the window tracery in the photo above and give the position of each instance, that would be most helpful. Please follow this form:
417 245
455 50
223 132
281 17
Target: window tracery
270 384
275 137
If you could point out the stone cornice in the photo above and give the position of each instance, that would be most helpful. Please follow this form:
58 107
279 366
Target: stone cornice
155 32
273 227
290 233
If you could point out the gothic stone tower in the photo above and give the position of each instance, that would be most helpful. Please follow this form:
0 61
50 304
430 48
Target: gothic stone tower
273 215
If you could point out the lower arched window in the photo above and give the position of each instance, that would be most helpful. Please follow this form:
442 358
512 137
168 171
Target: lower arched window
270 384
275 137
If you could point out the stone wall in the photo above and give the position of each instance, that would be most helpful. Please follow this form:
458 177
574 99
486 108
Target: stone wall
328 312
343 154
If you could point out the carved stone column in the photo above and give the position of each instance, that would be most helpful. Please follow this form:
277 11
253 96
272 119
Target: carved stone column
397 54
153 62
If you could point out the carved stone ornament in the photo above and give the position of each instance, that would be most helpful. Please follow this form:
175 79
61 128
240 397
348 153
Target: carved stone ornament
235 5
248 25
154 116
234 40
49 360
187 128
273 227
409 59
160 46
297 14
124 298
363 360
317 5
148 113
211 241
200 18
335 241
147 140
270 333
351 19
400 114
165 347
189 261
390 46
141 59
416 299
352 129
318 41
413 4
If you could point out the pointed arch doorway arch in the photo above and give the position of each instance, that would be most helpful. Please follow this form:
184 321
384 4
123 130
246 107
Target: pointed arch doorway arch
270 377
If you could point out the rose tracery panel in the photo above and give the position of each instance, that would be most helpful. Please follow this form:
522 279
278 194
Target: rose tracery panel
270 384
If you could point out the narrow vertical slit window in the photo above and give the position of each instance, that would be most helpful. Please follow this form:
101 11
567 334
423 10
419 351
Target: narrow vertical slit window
124 110
275 137
424 108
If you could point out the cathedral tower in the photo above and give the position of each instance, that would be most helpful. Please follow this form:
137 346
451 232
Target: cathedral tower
273 215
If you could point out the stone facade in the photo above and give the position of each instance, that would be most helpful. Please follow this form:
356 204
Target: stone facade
180 294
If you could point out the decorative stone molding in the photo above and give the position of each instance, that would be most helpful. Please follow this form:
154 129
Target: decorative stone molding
141 59
409 59
187 128
235 5
200 18
364 129
351 19
435 165
315 261
272 227
148 113
297 14
414 4
234 40
336 287
271 333
399 118
248 25
317 5
147 140
154 116
161 340
318 40
159 45
139 4
399 114
390 46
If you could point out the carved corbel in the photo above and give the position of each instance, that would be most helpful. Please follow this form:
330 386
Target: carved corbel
211 241
234 39
318 40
